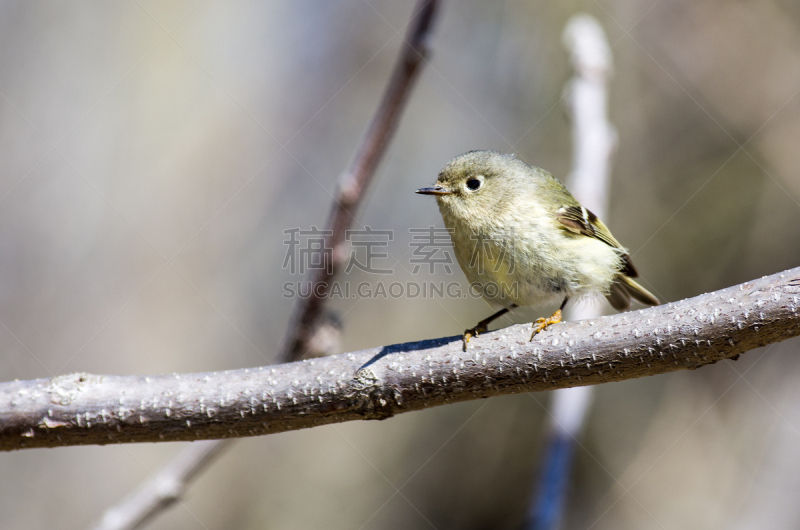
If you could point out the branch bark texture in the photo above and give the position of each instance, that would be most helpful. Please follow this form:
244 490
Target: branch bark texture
377 383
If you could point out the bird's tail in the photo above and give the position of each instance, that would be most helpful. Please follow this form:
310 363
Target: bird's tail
625 288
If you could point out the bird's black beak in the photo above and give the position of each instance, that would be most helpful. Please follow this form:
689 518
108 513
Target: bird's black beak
436 190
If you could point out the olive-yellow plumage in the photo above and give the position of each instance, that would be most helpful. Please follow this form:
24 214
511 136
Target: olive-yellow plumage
523 240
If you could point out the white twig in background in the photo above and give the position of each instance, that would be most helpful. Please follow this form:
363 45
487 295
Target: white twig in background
594 138
594 142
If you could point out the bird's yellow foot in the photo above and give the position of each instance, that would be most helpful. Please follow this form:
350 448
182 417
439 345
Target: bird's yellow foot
542 323
473 332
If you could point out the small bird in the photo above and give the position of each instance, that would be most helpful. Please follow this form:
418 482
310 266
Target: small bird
523 240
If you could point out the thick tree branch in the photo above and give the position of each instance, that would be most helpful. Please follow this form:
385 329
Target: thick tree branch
378 383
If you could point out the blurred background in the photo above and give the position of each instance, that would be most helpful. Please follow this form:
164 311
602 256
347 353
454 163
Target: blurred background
152 155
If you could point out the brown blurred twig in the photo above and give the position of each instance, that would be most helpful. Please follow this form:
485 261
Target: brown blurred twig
358 176
153 496
80 409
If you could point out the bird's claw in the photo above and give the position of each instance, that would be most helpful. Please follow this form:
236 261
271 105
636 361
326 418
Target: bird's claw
472 332
542 323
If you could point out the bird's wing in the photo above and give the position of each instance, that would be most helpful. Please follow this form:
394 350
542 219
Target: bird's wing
580 220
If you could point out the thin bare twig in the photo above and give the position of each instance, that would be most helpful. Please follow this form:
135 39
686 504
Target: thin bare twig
81 409
152 496
165 488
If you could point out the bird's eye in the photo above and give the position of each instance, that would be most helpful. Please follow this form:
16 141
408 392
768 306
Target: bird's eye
473 184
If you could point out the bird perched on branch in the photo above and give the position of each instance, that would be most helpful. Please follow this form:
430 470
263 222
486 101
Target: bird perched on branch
523 240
